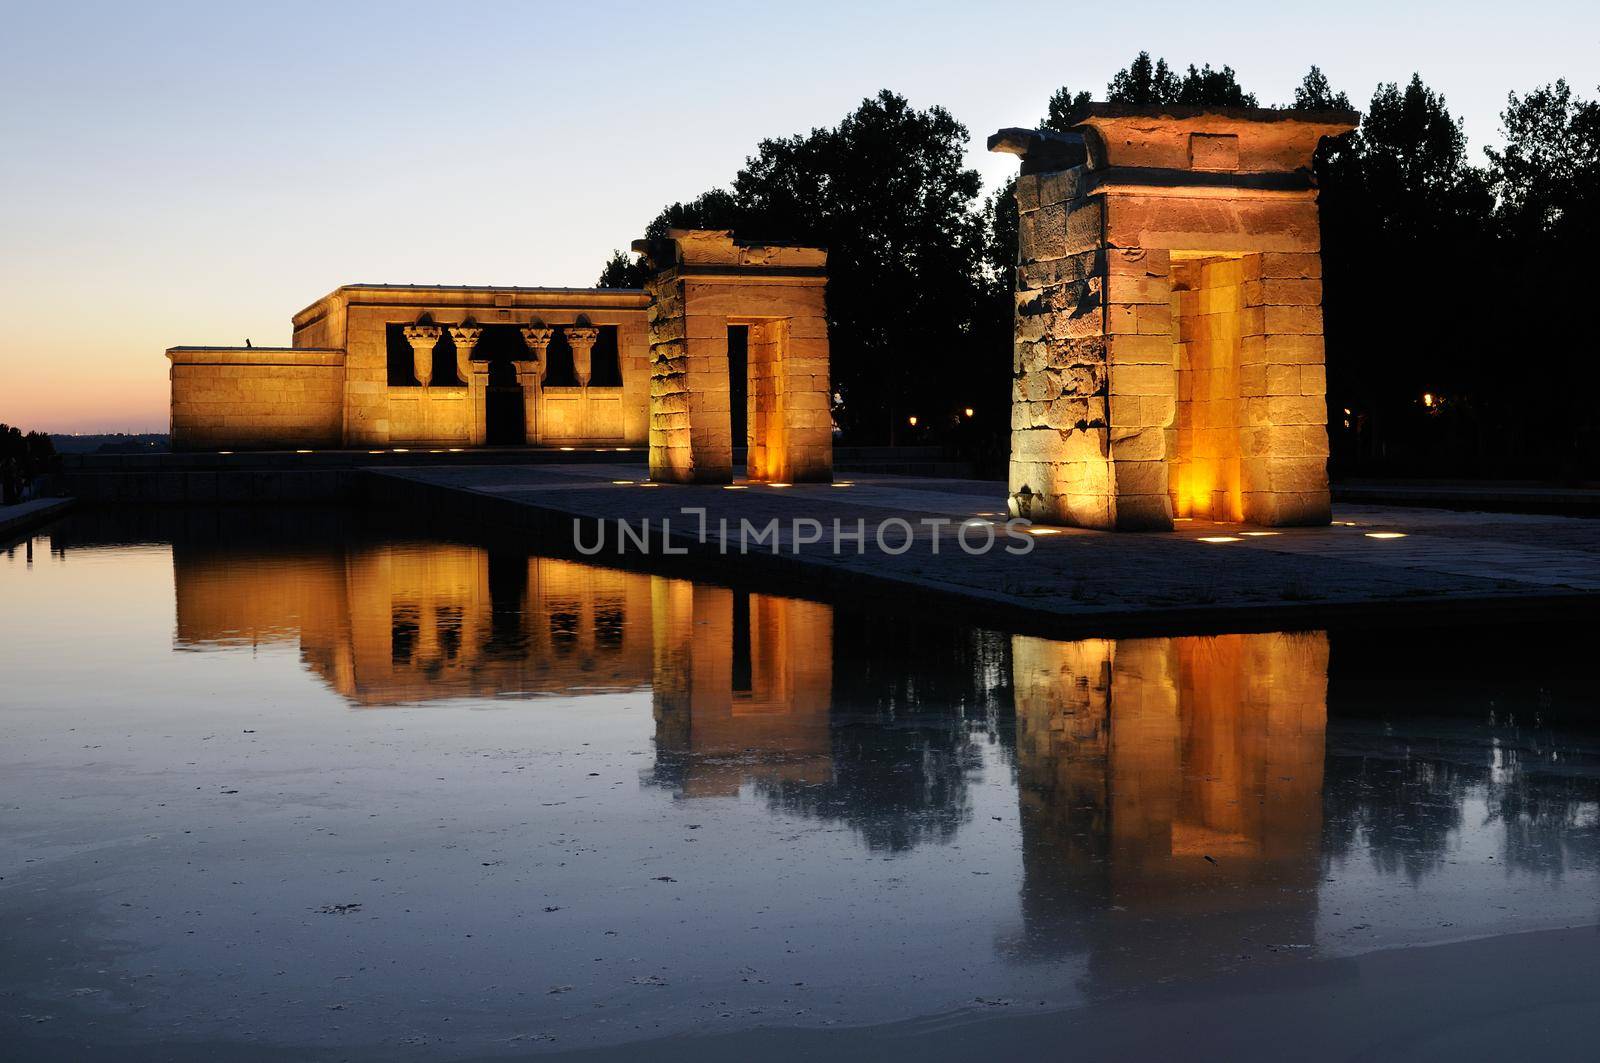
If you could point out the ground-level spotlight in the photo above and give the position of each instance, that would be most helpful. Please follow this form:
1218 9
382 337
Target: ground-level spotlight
1221 539
1386 535
734 487
1257 534
622 482
1044 531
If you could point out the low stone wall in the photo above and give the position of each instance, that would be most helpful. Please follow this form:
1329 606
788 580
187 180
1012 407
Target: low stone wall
256 397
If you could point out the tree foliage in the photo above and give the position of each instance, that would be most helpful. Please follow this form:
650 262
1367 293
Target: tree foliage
23 458
622 270
1147 83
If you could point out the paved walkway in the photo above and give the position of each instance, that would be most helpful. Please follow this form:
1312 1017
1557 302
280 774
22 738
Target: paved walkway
18 518
1374 562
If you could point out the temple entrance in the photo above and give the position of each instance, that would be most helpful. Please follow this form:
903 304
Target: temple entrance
503 405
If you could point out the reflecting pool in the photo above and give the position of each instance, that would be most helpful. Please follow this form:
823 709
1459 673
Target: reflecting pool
292 782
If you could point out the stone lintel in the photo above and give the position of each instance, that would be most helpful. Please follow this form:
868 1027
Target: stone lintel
720 248
1190 140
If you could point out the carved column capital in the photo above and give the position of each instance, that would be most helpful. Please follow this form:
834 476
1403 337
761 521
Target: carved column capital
422 338
465 338
581 338
581 335
537 337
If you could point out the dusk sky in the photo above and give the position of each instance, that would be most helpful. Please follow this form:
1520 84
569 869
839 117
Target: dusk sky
197 173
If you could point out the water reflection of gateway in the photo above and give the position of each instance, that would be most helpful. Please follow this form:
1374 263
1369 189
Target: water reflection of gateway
1171 798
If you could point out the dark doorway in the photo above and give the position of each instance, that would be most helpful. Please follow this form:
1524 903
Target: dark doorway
503 409
739 383
500 346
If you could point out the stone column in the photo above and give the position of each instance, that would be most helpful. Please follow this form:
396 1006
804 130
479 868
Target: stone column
582 339
423 338
476 377
529 371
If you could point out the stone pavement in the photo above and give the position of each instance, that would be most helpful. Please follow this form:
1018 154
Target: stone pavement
19 518
1375 563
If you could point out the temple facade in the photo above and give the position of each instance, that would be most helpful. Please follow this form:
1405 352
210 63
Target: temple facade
378 365
727 348
1169 356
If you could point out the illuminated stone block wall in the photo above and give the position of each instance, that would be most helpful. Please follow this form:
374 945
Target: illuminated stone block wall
703 283
256 398
1168 356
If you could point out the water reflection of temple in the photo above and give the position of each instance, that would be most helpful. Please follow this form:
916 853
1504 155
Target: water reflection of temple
392 623
1171 797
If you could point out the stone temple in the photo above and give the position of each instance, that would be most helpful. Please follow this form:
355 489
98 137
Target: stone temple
1168 359
728 347
1169 356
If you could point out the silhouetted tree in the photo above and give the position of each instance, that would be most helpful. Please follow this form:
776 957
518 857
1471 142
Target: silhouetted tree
1063 102
622 270
1153 83
1546 181
1315 94
23 458
1144 83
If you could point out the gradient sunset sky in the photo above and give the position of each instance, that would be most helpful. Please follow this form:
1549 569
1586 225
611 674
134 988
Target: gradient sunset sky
197 173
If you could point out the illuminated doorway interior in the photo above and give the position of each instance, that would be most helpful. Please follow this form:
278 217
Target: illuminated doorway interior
1204 476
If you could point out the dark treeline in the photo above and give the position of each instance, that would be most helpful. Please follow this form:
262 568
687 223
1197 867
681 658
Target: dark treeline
1451 289
23 459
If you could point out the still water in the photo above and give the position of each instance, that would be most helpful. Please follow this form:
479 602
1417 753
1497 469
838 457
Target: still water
320 787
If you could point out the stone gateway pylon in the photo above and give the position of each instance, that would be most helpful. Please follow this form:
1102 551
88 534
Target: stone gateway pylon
1169 355
704 285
